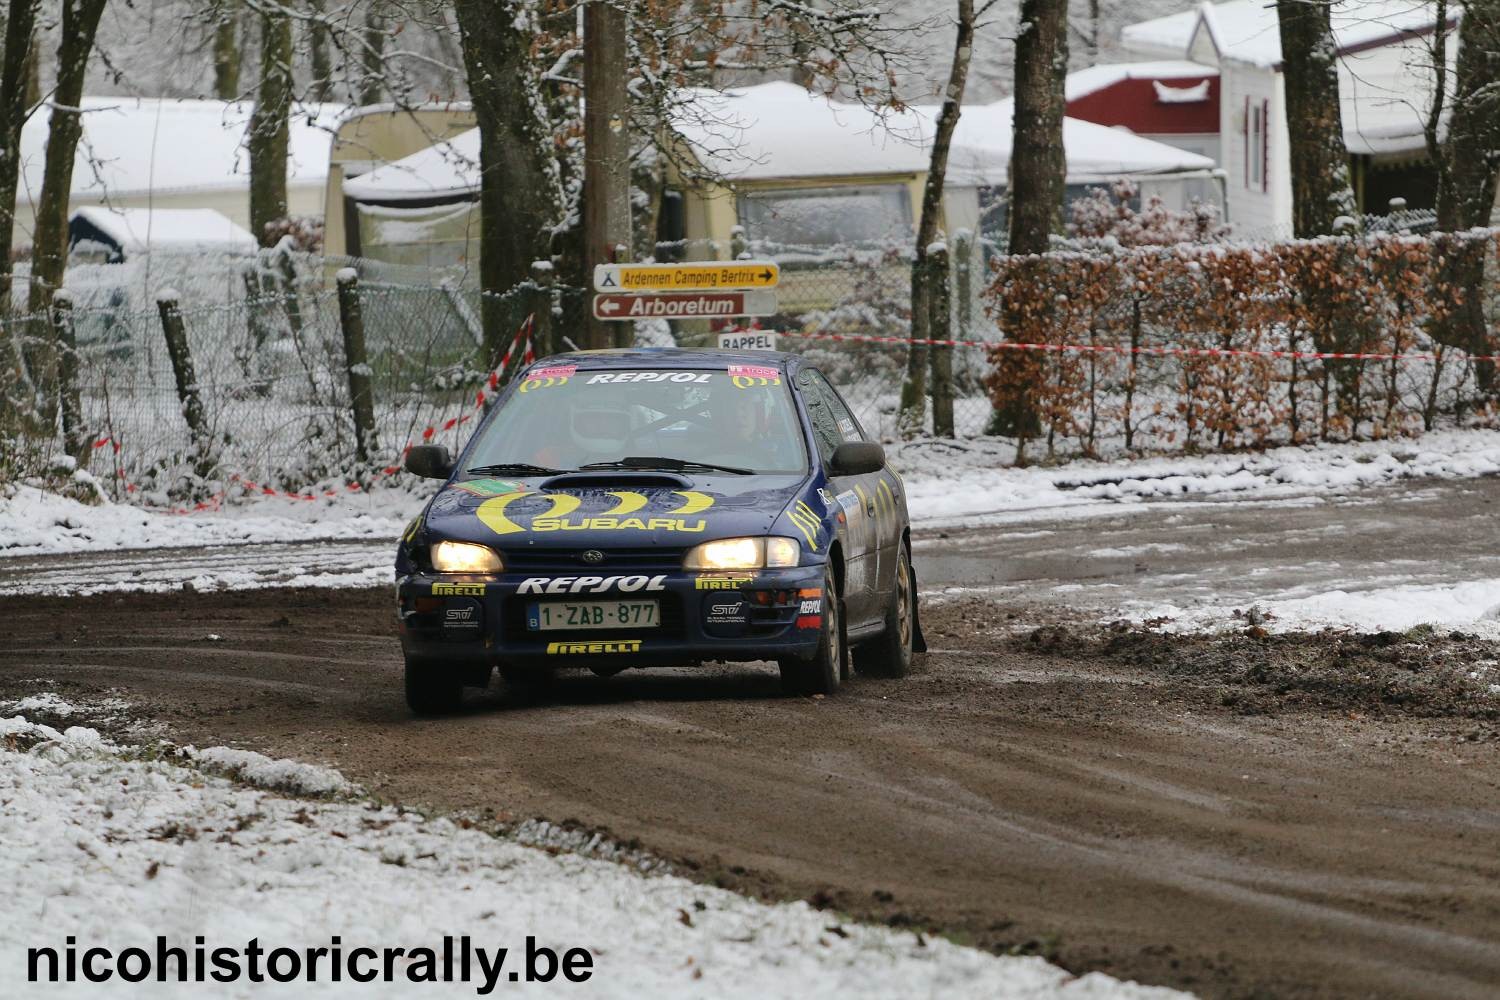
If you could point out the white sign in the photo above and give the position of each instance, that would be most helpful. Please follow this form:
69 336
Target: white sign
748 340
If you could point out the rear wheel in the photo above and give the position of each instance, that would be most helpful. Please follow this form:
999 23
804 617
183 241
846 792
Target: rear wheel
432 688
889 655
821 674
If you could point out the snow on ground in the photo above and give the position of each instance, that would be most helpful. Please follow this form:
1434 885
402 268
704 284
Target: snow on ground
1472 607
116 846
964 482
34 522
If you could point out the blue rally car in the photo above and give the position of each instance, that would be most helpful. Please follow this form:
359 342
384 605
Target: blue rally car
643 508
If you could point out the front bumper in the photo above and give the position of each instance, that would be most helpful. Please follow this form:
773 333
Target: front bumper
475 623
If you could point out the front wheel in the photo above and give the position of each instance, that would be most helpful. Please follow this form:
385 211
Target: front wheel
432 688
821 674
889 655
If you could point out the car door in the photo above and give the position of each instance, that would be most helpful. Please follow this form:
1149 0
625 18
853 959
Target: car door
858 496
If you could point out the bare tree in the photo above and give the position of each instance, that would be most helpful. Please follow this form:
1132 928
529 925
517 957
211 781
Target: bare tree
268 136
372 59
317 52
226 17
914 388
1322 195
19 22
520 199
1038 165
1473 148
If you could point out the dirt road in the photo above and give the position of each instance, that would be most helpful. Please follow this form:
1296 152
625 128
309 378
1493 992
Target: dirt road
1229 817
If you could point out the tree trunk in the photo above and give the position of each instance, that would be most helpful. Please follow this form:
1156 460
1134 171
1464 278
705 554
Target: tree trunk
317 44
1038 176
267 137
227 50
19 22
1470 165
49 254
912 419
520 199
1321 192
606 154
372 56
1038 166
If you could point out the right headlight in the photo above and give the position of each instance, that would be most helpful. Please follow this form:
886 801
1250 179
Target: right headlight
743 553
465 557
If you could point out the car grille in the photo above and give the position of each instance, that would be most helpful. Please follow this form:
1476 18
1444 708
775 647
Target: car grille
513 623
570 561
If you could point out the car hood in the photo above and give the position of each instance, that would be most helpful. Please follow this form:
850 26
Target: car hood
624 510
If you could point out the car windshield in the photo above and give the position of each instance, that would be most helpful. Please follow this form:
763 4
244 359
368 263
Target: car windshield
739 420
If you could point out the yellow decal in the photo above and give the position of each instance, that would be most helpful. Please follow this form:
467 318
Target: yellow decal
695 503
750 381
411 529
721 582
629 503
543 383
864 498
806 521
890 498
492 513
458 590
584 648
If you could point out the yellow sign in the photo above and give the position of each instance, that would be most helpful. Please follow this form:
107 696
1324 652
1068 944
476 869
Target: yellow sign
686 277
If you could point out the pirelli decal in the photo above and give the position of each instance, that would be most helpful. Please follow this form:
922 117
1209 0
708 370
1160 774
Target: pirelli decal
458 590
593 648
806 521
562 513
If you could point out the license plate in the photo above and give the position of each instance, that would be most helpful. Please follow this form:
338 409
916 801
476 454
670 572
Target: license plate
592 614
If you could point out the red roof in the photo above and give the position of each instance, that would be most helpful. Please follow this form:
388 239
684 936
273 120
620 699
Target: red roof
1137 103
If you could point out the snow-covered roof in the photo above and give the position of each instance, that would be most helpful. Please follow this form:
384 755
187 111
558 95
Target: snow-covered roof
982 146
448 169
135 145
138 229
1247 30
779 131
1084 82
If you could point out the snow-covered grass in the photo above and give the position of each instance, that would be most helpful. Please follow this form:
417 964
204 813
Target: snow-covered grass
1472 607
966 481
115 846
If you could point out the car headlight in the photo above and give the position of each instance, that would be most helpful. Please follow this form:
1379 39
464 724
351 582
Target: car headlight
465 557
743 553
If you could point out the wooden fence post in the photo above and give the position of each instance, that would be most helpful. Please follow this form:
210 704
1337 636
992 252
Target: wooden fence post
361 397
543 276
939 325
67 374
175 332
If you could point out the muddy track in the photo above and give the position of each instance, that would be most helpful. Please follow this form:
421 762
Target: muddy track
1183 814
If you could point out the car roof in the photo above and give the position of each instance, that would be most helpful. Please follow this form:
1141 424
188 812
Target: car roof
671 357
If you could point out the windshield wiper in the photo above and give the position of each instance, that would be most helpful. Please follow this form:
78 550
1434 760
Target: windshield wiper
670 464
513 469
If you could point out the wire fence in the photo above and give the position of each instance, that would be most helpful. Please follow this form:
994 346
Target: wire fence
271 365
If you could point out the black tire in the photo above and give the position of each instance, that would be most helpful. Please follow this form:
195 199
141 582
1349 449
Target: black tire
889 655
432 688
822 673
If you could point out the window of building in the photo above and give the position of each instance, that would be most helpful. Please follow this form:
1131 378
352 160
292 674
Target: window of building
827 216
1257 144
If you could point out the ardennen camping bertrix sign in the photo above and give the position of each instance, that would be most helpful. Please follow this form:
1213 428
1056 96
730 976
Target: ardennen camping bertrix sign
690 305
703 276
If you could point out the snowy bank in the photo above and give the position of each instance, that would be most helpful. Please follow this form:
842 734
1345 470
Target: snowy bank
116 849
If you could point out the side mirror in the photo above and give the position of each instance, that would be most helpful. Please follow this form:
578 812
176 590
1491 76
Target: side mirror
430 461
856 458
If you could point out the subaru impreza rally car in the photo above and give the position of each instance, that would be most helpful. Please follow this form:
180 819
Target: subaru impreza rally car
643 508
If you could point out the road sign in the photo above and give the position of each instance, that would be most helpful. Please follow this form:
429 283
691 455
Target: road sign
748 340
697 305
706 276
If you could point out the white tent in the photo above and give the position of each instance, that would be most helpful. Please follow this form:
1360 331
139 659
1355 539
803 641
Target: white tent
132 231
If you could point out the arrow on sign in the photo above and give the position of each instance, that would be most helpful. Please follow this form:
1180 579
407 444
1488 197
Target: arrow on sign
699 305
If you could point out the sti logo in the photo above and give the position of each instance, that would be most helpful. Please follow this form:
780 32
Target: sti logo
590 584
589 648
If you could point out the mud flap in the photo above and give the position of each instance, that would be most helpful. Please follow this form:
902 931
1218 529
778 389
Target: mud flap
918 641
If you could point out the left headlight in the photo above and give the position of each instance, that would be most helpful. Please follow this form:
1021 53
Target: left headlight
465 557
743 553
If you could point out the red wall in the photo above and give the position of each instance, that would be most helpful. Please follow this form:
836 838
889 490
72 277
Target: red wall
1133 103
